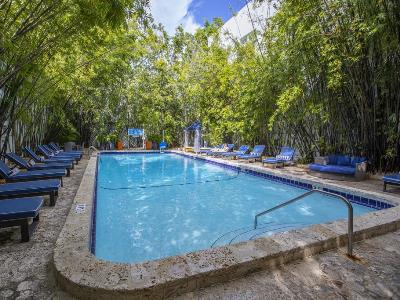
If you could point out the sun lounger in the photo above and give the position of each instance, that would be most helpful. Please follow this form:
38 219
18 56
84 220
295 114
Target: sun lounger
18 212
285 156
227 149
59 153
55 147
31 188
241 151
255 154
37 159
22 163
15 175
48 154
212 150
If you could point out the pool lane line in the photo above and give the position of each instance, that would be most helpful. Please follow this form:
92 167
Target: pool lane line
169 185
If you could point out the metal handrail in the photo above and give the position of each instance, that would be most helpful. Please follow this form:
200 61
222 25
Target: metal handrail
349 206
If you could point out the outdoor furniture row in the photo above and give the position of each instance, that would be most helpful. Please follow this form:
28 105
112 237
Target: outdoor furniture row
21 197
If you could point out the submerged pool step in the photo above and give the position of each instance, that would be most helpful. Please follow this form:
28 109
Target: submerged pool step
249 233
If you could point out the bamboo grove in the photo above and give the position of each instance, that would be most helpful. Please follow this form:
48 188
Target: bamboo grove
323 76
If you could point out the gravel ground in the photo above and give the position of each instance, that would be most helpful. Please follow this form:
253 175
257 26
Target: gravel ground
25 268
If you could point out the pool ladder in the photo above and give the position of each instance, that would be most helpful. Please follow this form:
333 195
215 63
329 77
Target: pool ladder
349 210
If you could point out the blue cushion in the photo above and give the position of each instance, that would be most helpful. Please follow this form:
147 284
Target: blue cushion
332 159
243 148
23 188
394 178
249 156
343 160
258 149
21 208
39 174
271 160
53 165
356 160
346 170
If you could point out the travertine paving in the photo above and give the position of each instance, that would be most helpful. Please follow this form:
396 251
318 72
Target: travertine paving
25 268
330 275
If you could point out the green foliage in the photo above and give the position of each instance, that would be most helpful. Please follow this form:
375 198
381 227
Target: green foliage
327 79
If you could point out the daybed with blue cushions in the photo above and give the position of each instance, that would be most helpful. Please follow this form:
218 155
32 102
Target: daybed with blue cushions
340 167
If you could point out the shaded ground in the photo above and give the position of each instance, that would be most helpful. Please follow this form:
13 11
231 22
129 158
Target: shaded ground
330 275
25 268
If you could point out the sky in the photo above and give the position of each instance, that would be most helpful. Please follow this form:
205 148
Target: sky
192 14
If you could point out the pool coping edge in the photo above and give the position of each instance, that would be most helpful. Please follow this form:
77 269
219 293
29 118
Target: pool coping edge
84 276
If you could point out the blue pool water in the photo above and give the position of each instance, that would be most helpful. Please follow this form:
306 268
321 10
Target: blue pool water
151 206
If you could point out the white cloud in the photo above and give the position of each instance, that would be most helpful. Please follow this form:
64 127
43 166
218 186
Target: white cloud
173 13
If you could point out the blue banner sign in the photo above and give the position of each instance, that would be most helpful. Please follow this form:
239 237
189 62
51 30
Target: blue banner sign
135 132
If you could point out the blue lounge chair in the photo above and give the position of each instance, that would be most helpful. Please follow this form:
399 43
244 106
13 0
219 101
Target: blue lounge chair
55 147
48 154
17 212
241 151
210 151
392 179
59 153
31 188
255 154
229 150
15 175
22 163
285 156
37 159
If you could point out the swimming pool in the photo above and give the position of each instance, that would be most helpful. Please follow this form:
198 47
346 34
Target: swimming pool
150 206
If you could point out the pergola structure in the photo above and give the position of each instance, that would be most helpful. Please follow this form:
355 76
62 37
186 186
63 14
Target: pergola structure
193 137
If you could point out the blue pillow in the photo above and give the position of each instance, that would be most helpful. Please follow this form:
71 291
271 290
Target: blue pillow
356 160
343 160
333 159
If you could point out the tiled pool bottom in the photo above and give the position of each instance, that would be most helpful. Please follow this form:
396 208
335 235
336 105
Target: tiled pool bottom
161 205
86 277
365 201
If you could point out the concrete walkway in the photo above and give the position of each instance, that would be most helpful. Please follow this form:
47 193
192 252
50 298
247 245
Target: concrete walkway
25 268
331 275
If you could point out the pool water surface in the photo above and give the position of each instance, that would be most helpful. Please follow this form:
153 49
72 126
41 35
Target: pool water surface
151 206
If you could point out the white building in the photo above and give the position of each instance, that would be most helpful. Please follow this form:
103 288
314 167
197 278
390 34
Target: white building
249 20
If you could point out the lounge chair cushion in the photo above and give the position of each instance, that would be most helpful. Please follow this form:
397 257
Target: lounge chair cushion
41 173
393 178
346 170
22 188
272 160
283 157
22 208
249 156
343 160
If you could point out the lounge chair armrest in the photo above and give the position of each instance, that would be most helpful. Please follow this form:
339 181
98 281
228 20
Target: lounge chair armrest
321 160
361 169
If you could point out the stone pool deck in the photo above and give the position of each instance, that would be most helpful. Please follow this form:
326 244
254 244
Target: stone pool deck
26 268
330 275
